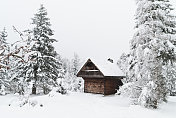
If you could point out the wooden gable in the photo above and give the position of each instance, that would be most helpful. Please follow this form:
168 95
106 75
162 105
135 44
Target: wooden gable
90 70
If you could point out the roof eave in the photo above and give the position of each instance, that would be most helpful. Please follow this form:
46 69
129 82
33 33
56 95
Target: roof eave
119 77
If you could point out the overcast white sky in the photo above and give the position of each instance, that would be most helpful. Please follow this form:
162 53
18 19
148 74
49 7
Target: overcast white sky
91 28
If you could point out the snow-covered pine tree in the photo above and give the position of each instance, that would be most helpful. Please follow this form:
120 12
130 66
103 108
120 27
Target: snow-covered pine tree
151 49
75 64
68 74
4 50
61 77
72 82
170 73
77 82
123 63
47 68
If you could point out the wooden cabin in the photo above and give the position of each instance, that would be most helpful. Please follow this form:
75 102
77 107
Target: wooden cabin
101 77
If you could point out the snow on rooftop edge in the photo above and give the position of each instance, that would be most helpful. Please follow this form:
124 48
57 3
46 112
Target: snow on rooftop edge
106 67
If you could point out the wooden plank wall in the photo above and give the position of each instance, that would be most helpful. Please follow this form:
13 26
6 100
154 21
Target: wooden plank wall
110 86
94 85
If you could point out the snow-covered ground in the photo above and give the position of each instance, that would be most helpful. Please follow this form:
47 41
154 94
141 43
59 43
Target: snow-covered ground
81 105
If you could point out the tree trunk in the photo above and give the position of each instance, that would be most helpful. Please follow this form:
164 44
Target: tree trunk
35 79
33 89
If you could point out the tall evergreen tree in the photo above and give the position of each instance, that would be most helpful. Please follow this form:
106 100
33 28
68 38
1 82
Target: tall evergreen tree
152 48
47 68
4 50
4 47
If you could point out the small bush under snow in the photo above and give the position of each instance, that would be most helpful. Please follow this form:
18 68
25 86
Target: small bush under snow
126 90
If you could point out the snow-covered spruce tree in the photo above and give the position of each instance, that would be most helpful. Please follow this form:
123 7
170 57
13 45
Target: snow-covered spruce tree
68 74
4 50
170 73
152 49
77 82
123 63
61 77
72 82
46 69
75 64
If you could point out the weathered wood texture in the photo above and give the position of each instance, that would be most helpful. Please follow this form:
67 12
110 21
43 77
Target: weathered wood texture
94 85
104 86
90 74
110 86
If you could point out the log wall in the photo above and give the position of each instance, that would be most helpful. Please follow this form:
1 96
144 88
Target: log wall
106 86
110 86
94 85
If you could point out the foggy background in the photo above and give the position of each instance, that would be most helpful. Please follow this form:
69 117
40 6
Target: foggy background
91 28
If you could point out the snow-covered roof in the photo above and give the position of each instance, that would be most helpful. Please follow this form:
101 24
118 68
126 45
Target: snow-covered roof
107 68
